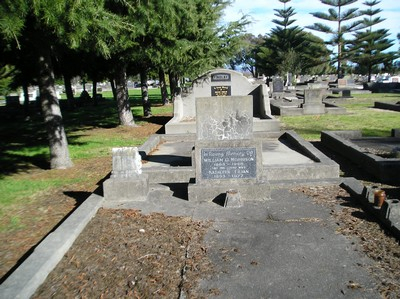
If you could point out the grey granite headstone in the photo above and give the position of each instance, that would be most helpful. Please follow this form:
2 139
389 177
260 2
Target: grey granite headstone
277 85
313 101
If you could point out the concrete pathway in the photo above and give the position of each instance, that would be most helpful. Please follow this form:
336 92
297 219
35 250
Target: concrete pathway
285 247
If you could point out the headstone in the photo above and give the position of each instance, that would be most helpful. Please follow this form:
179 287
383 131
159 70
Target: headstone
342 82
313 101
224 118
277 85
127 183
222 83
226 156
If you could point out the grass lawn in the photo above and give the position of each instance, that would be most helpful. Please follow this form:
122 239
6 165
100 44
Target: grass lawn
360 116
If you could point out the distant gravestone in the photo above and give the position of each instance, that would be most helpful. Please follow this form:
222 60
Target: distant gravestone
313 101
346 93
277 85
342 82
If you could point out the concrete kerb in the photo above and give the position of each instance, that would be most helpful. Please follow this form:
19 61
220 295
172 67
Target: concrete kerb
359 191
385 169
387 106
24 281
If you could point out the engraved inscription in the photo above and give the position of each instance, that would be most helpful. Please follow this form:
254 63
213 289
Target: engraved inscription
221 77
228 163
220 91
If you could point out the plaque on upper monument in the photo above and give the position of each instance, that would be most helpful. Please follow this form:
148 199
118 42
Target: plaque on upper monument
220 91
221 77
228 163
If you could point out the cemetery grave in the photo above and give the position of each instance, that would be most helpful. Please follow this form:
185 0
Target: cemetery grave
377 155
310 99
226 165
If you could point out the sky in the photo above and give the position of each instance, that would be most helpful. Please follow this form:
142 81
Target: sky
261 13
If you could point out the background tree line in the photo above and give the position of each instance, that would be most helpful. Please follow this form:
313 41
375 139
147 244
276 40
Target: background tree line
44 40
354 42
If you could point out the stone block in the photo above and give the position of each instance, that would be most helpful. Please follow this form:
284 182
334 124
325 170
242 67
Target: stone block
391 211
313 108
222 118
395 133
233 199
248 192
126 189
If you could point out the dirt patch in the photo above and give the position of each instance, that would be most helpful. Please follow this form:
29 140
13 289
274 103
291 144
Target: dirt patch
122 253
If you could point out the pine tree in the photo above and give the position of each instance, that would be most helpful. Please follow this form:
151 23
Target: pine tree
288 48
368 45
287 40
341 17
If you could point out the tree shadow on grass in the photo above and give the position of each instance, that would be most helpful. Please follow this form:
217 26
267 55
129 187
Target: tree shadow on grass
20 135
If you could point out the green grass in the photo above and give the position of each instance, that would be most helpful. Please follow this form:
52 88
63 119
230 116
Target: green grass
24 143
359 116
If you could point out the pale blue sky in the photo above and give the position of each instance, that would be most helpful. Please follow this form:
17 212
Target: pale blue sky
261 12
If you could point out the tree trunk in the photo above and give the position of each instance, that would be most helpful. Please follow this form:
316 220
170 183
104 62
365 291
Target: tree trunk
172 84
121 91
94 92
26 99
145 94
59 154
113 89
68 91
163 87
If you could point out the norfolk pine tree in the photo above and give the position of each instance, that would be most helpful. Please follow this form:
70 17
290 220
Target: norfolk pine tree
288 49
368 46
341 17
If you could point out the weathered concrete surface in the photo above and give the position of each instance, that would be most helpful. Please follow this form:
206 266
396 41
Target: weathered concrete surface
285 247
285 156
